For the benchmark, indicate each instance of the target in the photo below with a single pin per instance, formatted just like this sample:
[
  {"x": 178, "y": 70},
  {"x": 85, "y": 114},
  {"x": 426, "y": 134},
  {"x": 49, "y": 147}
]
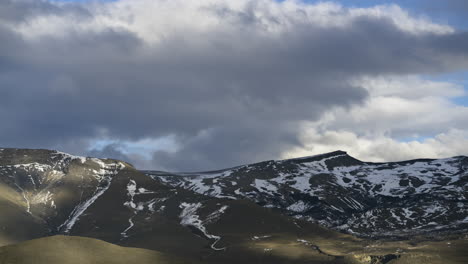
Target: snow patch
[
  {"x": 298, "y": 207},
  {"x": 131, "y": 224},
  {"x": 264, "y": 186},
  {"x": 109, "y": 170},
  {"x": 189, "y": 217},
  {"x": 254, "y": 238}
]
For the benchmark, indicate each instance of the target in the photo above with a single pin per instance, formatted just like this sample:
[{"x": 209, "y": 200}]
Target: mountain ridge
[
  {"x": 339, "y": 173},
  {"x": 331, "y": 153},
  {"x": 267, "y": 208}
]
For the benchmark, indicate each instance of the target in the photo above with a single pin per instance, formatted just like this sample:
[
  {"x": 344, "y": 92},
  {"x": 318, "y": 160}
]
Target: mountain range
[{"x": 329, "y": 208}]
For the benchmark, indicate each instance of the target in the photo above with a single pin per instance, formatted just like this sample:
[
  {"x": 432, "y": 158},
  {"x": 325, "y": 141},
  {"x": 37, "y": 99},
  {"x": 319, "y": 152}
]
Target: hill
[
  {"x": 396, "y": 199},
  {"x": 79, "y": 250},
  {"x": 329, "y": 208}
]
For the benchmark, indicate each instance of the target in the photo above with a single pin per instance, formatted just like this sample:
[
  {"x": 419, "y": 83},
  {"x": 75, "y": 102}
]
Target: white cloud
[
  {"x": 405, "y": 117},
  {"x": 381, "y": 148},
  {"x": 400, "y": 117},
  {"x": 156, "y": 20},
  {"x": 403, "y": 19},
  {"x": 408, "y": 87},
  {"x": 404, "y": 106}
]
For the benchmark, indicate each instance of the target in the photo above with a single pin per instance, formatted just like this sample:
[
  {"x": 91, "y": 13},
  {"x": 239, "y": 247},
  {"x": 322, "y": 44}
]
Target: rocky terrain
[
  {"x": 329, "y": 208},
  {"x": 337, "y": 191}
]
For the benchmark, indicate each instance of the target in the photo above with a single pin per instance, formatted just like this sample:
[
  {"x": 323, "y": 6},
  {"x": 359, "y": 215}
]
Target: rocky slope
[
  {"x": 337, "y": 191},
  {"x": 51, "y": 189},
  {"x": 272, "y": 212}
]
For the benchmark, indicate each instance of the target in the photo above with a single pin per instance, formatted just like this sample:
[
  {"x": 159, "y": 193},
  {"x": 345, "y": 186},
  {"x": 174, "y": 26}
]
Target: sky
[{"x": 191, "y": 85}]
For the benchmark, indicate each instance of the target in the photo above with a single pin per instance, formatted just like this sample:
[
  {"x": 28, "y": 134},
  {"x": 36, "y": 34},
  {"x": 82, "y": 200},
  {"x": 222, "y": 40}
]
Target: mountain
[
  {"x": 396, "y": 199},
  {"x": 329, "y": 208}
]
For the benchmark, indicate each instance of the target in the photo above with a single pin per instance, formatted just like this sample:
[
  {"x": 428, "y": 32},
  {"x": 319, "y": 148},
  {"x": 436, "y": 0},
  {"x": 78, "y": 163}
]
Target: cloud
[
  {"x": 231, "y": 81},
  {"x": 402, "y": 106},
  {"x": 382, "y": 148},
  {"x": 405, "y": 117},
  {"x": 451, "y": 7}
]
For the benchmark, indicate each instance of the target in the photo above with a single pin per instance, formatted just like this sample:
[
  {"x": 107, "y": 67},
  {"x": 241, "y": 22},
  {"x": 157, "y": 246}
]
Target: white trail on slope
[{"x": 111, "y": 170}]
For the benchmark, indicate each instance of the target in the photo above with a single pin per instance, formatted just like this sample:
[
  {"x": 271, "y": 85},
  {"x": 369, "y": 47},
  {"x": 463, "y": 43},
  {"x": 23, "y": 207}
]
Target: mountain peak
[
  {"x": 337, "y": 153},
  {"x": 341, "y": 192}
]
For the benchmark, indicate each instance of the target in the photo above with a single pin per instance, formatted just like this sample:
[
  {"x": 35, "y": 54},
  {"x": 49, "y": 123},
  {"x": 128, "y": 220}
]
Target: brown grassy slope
[
  {"x": 16, "y": 224},
  {"x": 79, "y": 250}
]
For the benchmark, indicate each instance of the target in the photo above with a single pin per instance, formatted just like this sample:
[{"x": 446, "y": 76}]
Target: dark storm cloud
[
  {"x": 238, "y": 142},
  {"x": 21, "y": 10},
  {"x": 229, "y": 97}
]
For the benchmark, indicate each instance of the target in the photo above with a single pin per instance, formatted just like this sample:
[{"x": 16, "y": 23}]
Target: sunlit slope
[
  {"x": 16, "y": 223},
  {"x": 44, "y": 192},
  {"x": 79, "y": 250}
]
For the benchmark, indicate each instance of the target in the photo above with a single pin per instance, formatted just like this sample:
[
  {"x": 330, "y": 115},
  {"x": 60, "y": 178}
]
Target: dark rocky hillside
[
  {"x": 319, "y": 209},
  {"x": 335, "y": 190}
]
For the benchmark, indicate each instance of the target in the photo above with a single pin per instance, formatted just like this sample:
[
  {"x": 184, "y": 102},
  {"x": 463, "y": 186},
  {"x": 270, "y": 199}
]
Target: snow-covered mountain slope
[
  {"x": 55, "y": 188},
  {"x": 343, "y": 193},
  {"x": 48, "y": 192},
  {"x": 259, "y": 213}
]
